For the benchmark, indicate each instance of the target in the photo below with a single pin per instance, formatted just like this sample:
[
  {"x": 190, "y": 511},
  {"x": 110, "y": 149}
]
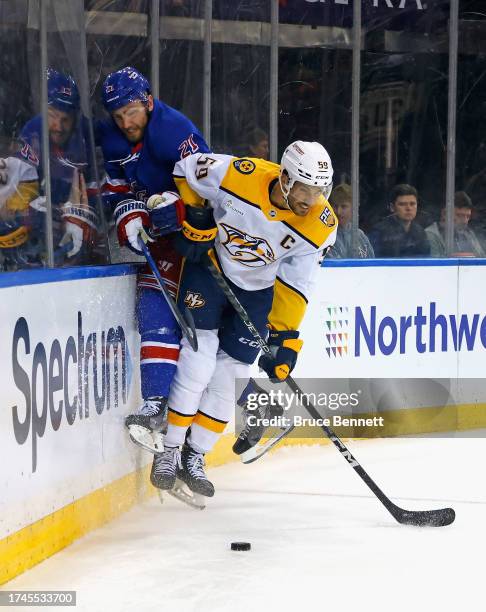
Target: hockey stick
[
  {"x": 420, "y": 518},
  {"x": 186, "y": 322},
  {"x": 257, "y": 451}
]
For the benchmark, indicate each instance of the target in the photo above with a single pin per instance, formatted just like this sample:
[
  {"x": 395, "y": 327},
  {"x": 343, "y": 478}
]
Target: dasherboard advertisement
[
  {"x": 397, "y": 322},
  {"x": 69, "y": 375}
]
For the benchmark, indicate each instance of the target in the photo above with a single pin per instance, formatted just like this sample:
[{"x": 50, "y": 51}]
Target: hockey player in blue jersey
[
  {"x": 73, "y": 191},
  {"x": 141, "y": 142}
]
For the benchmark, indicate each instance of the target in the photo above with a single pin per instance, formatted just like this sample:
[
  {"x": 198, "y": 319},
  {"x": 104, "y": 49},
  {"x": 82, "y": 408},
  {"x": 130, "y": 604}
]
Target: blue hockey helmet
[
  {"x": 124, "y": 86},
  {"x": 62, "y": 91}
]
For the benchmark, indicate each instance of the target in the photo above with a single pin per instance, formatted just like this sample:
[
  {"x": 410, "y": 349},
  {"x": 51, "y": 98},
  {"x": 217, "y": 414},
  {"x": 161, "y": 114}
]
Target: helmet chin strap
[{"x": 285, "y": 191}]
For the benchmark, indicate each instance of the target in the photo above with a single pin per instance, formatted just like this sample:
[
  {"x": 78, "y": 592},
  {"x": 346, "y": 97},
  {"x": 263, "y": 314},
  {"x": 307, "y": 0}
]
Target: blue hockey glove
[
  {"x": 198, "y": 233},
  {"x": 167, "y": 212},
  {"x": 285, "y": 347}
]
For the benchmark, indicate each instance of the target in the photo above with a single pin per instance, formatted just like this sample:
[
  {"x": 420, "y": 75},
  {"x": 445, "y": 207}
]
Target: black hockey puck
[{"x": 240, "y": 546}]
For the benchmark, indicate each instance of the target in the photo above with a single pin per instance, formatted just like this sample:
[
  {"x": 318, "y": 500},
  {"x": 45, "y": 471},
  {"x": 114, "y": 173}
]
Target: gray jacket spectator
[
  {"x": 399, "y": 235},
  {"x": 341, "y": 200},
  {"x": 466, "y": 243}
]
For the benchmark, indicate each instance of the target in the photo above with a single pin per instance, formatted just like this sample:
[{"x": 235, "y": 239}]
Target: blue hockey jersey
[
  {"x": 138, "y": 171},
  {"x": 63, "y": 161}
]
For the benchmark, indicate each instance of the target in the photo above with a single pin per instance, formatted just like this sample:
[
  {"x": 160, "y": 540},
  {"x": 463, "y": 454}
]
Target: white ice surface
[{"x": 320, "y": 540}]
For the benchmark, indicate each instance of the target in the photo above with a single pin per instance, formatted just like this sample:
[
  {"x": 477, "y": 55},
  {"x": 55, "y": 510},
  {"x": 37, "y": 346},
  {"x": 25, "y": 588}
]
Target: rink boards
[{"x": 69, "y": 374}]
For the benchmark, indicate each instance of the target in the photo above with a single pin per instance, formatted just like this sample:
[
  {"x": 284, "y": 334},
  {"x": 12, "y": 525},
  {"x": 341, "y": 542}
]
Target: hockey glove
[
  {"x": 167, "y": 212},
  {"x": 285, "y": 347},
  {"x": 79, "y": 227},
  {"x": 198, "y": 233},
  {"x": 132, "y": 219}
]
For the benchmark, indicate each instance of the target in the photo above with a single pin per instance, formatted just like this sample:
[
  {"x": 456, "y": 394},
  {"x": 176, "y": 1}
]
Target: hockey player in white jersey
[{"x": 273, "y": 227}]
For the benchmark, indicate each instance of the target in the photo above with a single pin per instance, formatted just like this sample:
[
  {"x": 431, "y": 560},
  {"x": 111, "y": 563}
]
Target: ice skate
[
  {"x": 255, "y": 416},
  {"x": 148, "y": 426},
  {"x": 192, "y": 472},
  {"x": 164, "y": 468}
]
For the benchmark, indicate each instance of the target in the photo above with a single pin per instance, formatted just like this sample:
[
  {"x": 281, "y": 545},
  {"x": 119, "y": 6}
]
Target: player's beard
[
  {"x": 301, "y": 209},
  {"x": 60, "y": 137},
  {"x": 135, "y": 134}
]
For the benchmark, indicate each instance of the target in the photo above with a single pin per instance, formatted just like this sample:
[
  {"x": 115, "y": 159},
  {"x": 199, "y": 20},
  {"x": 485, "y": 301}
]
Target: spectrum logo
[
  {"x": 425, "y": 330},
  {"x": 58, "y": 381}
]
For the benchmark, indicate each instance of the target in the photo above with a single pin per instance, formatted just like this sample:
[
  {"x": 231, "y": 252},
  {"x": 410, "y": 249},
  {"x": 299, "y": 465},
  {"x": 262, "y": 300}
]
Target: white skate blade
[
  {"x": 185, "y": 495},
  {"x": 150, "y": 441}
]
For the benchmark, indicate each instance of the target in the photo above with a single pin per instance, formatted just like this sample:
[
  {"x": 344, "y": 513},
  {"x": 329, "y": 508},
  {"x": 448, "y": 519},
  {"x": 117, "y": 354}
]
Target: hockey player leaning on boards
[
  {"x": 271, "y": 226},
  {"x": 141, "y": 142}
]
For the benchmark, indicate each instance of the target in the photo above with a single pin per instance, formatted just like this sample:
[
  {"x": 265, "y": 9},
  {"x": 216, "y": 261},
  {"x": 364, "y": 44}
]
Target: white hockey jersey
[
  {"x": 258, "y": 244},
  {"x": 18, "y": 184}
]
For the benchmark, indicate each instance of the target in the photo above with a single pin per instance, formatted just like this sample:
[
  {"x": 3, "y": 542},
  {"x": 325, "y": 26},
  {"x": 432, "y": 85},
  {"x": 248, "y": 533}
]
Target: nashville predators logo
[
  {"x": 249, "y": 250},
  {"x": 194, "y": 299},
  {"x": 245, "y": 166}
]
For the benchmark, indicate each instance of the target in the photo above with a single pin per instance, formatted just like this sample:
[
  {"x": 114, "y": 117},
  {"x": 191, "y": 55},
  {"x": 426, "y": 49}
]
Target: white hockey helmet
[{"x": 306, "y": 163}]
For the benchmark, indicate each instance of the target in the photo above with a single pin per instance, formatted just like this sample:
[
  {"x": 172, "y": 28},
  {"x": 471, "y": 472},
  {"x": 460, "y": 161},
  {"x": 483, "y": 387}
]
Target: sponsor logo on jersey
[
  {"x": 229, "y": 204},
  {"x": 328, "y": 218},
  {"x": 194, "y": 299},
  {"x": 245, "y": 166},
  {"x": 251, "y": 251}
]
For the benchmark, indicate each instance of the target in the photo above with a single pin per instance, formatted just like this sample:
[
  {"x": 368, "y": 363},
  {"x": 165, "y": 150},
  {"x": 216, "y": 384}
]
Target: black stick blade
[{"x": 425, "y": 518}]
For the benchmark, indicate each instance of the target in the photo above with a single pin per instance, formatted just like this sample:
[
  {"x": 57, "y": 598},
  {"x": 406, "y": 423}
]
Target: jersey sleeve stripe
[
  {"x": 280, "y": 280},
  {"x": 288, "y": 307},
  {"x": 107, "y": 187}
]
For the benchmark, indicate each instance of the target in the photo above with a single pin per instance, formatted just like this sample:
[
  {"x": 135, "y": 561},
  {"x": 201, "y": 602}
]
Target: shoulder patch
[
  {"x": 245, "y": 166},
  {"x": 327, "y": 217}
]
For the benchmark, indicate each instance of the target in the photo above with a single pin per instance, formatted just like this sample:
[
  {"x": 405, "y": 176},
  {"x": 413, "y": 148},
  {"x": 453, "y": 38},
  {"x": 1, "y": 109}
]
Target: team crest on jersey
[
  {"x": 245, "y": 166},
  {"x": 251, "y": 251},
  {"x": 328, "y": 218},
  {"x": 194, "y": 299}
]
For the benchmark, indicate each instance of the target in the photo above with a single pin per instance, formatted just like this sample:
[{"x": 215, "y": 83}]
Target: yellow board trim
[{"x": 34, "y": 543}]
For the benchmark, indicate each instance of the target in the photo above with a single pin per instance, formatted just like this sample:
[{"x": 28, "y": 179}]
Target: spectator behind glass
[
  {"x": 341, "y": 199},
  {"x": 73, "y": 192},
  {"x": 399, "y": 235},
  {"x": 257, "y": 143},
  {"x": 466, "y": 243}
]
